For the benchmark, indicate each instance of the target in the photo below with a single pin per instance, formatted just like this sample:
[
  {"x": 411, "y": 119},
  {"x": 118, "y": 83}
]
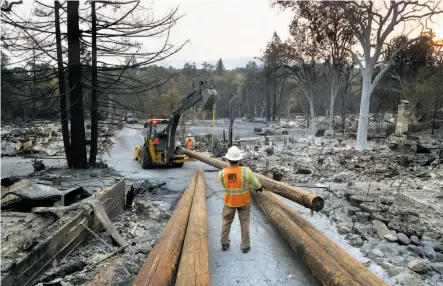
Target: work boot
[
  {"x": 246, "y": 250},
  {"x": 225, "y": 246}
]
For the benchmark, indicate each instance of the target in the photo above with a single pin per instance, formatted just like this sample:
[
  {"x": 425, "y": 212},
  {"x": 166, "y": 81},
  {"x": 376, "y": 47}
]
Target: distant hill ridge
[{"x": 229, "y": 63}]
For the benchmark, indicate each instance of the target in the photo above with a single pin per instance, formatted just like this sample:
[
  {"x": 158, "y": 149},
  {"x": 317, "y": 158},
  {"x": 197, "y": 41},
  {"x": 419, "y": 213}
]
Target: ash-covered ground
[
  {"x": 387, "y": 203},
  {"x": 383, "y": 206}
]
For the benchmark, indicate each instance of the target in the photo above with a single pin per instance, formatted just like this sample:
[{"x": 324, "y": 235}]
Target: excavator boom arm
[{"x": 203, "y": 91}]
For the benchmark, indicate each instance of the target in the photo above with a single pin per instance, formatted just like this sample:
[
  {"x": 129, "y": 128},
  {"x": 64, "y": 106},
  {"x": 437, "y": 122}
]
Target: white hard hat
[
  {"x": 189, "y": 134},
  {"x": 234, "y": 154}
]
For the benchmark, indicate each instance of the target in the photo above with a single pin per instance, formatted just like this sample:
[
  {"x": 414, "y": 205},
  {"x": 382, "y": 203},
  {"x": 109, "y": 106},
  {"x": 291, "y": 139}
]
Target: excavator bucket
[{"x": 209, "y": 97}]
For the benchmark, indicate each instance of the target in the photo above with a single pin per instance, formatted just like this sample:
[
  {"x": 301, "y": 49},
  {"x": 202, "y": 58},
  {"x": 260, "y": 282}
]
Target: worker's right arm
[{"x": 252, "y": 181}]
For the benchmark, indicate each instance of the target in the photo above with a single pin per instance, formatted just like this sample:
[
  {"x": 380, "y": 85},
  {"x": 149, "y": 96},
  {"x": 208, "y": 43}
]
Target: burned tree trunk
[
  {"x": 62, "y": 87},
  {"x": 434, "y": 113},
  {"x": 282, "y": 88},
  {"x": 231, "y": 123},
  {"x": 274, "y": 107},
  {"x": 232, "y": 115},
  {"x": 94, "y": 105},
  {"x": 268, "y": 95},
  {"x": 78, "y": 144}
]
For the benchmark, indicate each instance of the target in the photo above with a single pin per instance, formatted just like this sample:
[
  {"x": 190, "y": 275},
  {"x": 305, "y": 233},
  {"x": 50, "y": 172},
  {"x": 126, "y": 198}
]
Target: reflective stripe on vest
[{"x": 234, "y": 182}]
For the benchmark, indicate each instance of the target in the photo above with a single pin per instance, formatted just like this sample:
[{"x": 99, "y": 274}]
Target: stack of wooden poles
[
  {"x": 185, "y": 236},
  {"x": 328, "y": 262}
]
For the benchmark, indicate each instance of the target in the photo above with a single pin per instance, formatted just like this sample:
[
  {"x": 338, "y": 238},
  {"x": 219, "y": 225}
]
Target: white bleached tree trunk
[
  {"x": 310, "y": 98},
  {"x": 373, "y": 22},
  {"x": 313, "y": 119},
  {"x": 334, "y": 91},
  {"x": 363, "y": 119}
]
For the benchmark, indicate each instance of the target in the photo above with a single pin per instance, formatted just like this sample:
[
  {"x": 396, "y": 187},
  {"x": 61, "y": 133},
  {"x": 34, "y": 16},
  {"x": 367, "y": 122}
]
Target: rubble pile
[
  {"x": 140, "y": 225},
  {"x": 204, "y": 144},
  {"x": 379, "y": 124},
  {"x": 44, "y": 139},
  {"x": 38, "y": 207},
  {"x": 36, "y": 138},
  {"x": 387, "y": 203},
  {"x": 148, "y": 207}
]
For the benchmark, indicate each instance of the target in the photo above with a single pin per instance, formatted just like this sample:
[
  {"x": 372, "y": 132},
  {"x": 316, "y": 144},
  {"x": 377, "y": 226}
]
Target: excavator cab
[
  {"x": 157, "y": 131},
  {"x": 153, "y": 153},
  {"x": 159, "y": 146}
]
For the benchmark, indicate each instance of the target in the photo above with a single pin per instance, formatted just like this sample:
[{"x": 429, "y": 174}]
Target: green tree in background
[{"x": 219, "y": 67}]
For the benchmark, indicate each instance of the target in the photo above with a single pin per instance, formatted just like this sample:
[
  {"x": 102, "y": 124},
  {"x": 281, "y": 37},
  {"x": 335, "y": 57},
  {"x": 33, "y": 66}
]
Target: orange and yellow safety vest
[
  {"x": 237, "y": 181},
  {"x": 189, "y": 142}
]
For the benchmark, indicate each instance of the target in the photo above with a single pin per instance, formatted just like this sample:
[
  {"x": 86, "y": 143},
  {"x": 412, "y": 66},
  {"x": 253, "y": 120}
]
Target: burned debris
[
  {"x": 42, "y": 139},
  {"x": 386, "y": 201},
  {"x": 43, "y": 224},
  {"x": 71, "y": 225}
]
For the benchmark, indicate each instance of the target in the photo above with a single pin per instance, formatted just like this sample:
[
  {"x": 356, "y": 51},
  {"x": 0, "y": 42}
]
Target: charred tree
[
  {"x": 62, "y": 87},
  {"x": 94, "y": 100},
  {"x": 231, "y": 119},
  {"x": 78, "y": 142},
  {"x": 274, "y": 107},
  {"x": 268, "y": 95}
]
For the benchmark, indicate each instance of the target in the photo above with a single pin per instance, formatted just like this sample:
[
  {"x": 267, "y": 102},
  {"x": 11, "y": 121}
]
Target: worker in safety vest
[
  {"x": 190, "y": 142},
  {"x": 237, "y": 181}
]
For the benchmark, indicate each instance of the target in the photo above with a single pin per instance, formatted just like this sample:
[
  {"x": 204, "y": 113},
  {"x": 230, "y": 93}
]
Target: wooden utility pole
[
  {"x": 323, "y": 267},
  {"x": 302, "y": 197},
  {"x": 357, "y": 270},
  {"x": 160, "y": 266},
  {"x": 194, "y": 262}
]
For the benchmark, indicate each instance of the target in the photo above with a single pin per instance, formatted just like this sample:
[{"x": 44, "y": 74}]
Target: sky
[
  {"x": 225, "y": 28},
  {"x": 229, "y": 29},
  {"x": 234, "y": 30}
]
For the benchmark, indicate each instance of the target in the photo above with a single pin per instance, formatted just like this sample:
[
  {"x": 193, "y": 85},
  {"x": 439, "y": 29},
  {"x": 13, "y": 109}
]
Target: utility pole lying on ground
[
  {"x": 194, "y": 262},
  {"x": 270, "y": 203},
  {"x": 189, "y": 218},
  {"x": 329, "y": 263},
  {"x": 302, "y": 197}
]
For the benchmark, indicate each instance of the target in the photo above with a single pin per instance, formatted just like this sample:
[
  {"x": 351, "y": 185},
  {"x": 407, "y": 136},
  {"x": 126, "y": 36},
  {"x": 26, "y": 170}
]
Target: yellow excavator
[{"x": 160, "y": 149}]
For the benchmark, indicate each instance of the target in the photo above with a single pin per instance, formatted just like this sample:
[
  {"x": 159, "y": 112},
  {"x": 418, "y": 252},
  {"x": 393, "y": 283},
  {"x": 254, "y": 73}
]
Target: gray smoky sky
[{"x": 227, "y": 29}]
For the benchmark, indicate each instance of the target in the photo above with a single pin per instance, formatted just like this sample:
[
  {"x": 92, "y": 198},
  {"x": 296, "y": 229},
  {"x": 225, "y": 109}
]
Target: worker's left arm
[{"x": 252, "y": 181}]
